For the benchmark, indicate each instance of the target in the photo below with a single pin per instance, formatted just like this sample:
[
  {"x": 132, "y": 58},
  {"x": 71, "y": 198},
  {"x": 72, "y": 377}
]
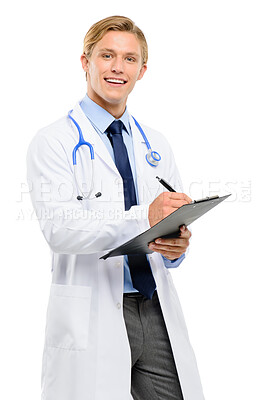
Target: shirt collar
[{"x": 100, "y": 117}]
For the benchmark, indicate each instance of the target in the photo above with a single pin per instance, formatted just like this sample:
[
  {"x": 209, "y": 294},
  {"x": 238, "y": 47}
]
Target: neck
[{"x": 116, "y": 110}]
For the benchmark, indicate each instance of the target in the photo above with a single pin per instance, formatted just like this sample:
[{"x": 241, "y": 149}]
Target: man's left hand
[{"x": 172, "y": 248}]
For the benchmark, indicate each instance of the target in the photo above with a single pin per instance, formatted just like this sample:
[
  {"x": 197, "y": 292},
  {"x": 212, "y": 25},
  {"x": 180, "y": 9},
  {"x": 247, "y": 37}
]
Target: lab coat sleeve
[{"x": 67, "y": 227}]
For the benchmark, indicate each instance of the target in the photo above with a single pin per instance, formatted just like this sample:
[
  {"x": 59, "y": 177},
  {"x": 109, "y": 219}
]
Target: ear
[
  {"x": 84, "y": 62},
  {"x": 142, "y": 71}
]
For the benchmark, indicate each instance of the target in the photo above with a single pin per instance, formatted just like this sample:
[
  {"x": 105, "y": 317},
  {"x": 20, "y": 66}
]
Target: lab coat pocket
[{"x": 68, "y": 317}]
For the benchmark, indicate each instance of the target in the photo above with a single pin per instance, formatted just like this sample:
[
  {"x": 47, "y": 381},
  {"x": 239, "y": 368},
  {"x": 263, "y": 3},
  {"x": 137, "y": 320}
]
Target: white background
[{"x": 205, "y": 88}]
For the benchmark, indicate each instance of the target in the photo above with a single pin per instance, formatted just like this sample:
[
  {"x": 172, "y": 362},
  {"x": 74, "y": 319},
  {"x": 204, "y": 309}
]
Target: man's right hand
[{"x": 165, "y": 204}]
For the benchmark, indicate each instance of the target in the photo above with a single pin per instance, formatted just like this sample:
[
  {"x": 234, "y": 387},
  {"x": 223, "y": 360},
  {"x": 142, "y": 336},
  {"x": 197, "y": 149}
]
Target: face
[{"x": 113, "y": 69}]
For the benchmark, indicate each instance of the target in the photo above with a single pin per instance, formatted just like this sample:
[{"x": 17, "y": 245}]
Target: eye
[
  {"x": 106, "y": 56},
  {"x": 130, "y": 59}
]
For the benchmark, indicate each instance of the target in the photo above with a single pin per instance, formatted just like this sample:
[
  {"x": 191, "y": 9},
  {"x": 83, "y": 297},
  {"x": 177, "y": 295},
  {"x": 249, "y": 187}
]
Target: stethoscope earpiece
[{"x": 98, "y": 194}]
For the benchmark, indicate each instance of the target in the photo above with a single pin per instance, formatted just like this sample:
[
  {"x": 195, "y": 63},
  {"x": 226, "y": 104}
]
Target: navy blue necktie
[{"x": 140, "y": 270}]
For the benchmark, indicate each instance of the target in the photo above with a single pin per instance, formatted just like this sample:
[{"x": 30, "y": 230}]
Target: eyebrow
[{"x": 130, "y": 53}]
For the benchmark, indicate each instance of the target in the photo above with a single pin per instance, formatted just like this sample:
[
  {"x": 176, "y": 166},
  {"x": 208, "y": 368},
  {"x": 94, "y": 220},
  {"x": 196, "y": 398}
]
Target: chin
[{"x": 115, "y": 100}]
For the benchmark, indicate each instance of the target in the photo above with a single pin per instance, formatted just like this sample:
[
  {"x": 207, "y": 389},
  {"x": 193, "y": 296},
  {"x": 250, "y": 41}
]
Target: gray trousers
[{"x": 154, "y": 375}]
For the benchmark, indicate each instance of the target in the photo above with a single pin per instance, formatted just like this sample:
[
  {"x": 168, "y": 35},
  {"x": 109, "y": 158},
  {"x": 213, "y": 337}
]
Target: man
[{"x": 115, "y": 329}]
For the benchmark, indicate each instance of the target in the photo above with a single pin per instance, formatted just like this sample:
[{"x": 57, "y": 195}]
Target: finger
[
  {"x": 180, "y": 247},
  {"x": 177, "y": 203},
  {"x": 184, "y": 236},
  {"x": 174, "y": 199},
  {"x": 180, "y": 196},
  {"x": 172, "y": 242},
  {"x": 171, "y": 255},
  {"x": 184, "y": 232}
]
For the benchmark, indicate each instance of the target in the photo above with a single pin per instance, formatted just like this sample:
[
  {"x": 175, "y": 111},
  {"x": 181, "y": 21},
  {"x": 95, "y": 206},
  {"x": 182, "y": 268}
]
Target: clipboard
[{"x": 168, "y": 227}]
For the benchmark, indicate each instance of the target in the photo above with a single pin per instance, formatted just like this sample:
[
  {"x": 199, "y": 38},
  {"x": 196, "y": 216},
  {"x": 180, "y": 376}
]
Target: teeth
[{"x": 114, "y": 80}]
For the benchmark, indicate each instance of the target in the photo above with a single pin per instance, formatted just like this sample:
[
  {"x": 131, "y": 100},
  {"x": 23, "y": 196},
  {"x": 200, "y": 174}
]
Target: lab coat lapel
[{"x": 91, "y": 136}]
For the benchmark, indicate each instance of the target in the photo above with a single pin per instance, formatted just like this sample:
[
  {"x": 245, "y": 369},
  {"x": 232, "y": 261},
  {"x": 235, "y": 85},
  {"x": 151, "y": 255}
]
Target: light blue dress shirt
[{"x": 100, "y": 120}]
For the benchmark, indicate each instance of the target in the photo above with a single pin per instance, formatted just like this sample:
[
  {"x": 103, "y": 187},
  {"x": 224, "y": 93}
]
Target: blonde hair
[{"x": 115, "y": 23}]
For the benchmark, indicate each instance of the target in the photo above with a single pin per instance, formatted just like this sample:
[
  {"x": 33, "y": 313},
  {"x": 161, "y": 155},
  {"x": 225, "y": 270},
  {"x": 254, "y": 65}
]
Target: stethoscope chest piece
[{"x": 153, "y": 158}]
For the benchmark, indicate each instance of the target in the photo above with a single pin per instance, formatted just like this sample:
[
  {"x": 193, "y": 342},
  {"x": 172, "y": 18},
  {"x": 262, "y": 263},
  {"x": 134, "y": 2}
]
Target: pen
[{"x": 165, "y": 184}]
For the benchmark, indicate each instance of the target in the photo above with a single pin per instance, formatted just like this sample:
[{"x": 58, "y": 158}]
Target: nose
[{"x": 117, "y": 65}]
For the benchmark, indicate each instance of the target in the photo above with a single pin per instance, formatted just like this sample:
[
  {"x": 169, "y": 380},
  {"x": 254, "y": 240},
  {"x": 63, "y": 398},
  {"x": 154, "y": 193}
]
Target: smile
[{"x": 115, "y": 81}]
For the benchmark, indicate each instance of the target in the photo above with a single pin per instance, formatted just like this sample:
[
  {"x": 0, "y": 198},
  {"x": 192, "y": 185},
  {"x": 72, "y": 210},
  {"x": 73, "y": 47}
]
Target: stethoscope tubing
[
  {"x": 152, "y": 157},
  {"x": 81, "y": 141}
]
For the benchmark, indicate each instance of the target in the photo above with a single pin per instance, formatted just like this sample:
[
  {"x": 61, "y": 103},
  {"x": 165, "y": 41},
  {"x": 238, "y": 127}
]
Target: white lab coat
[{"x": 86, "y": 353}]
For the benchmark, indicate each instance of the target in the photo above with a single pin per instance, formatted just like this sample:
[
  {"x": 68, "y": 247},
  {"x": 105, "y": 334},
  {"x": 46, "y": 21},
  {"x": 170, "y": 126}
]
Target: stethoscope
[{"x": 152, "y": 157}]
